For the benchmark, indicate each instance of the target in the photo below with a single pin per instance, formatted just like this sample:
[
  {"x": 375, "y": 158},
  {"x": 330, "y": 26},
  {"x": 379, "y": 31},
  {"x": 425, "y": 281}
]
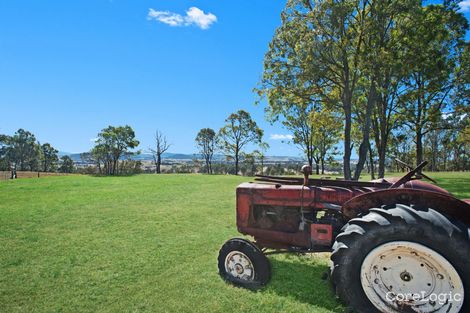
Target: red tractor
[{"x": 398, "y": 245}]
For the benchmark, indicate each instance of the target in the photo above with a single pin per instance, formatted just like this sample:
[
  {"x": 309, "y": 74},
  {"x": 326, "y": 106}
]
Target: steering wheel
[{"x": 417, "y": 172}]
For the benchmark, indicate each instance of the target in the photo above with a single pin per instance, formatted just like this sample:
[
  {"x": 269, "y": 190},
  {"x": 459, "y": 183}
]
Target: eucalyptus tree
[
  {"x": 113, "y": 143},
  {"x": 260, "y": 154},
  {"x": 297, "y": 119},
  {"x": 206, "y": 141},
  {"x": 239, "y": 131},
  {"x": 49, "y": 157},
  {"x": 314, "y": 58},
  {"x": 326, "y": 127},
  {"x": 66, "y": 164},
  {"x": 382, "y": 75},
  {"x": 4, "y": 147},
  {"x": 432, "y": 47},
  {"x": 23, "y": 151}
]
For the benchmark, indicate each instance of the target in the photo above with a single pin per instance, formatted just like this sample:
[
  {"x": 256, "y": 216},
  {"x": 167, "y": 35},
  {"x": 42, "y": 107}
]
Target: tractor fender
[{"x": 443, "y": 203}]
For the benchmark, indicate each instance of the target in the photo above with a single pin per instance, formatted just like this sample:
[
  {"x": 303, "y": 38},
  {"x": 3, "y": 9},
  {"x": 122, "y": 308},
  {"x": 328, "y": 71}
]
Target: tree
[
  {"x": 432, "y": 58},
  {"x": 101, "y": 157},
  {"x": 112, "y": 144},
  {"x": 23, "y": 151},
  {"x": 371, "y": 61},
  {"x": 4, "y": 147},
  {"x": 161, "y": 146},
  {"x": 249, "y": 164},
  {"x": 49, "y": 157},
  {"x": 260, "y": 155},
  {"x": 315, "y": 54},
  {"x": 326, "y": 128},
  {"x": 240, "y": 129},
  {"x": 462, "y": 150},
  {"x": 66, "y": 164},
  {"x": 206, "y": 141},
  {"x": 296, "y": 119},
  {"x": 385, "y": 24}
]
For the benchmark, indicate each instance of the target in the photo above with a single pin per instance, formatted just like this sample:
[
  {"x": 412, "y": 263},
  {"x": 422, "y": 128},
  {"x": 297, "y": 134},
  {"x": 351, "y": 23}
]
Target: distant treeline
[{"x": 22, "y": 152}]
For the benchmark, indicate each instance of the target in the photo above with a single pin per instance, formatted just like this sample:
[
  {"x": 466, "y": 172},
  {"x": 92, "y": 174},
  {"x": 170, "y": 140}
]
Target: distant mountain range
[{"x": 188, "y": 157}]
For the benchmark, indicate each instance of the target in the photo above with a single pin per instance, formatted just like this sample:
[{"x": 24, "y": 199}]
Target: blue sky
[{"x": 70, "y": 68}]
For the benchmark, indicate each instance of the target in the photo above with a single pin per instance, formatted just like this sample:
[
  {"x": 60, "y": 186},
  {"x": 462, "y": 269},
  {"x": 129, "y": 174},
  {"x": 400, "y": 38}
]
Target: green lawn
[
  {"x": 141, "y": 244},
  {"x": 458, "y": 183}
]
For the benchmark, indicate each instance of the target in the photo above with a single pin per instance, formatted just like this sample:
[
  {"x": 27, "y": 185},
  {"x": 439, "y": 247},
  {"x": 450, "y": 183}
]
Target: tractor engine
[{"x": 289, "y": 217}]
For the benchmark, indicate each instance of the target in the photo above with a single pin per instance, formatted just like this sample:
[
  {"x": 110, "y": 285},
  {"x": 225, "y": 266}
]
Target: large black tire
[
  {"x": 396, "y": 223},
  {"x": 259, "y": 270}
]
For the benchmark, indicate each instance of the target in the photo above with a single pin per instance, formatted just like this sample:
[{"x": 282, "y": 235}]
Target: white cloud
[
  {"x": 280, "y": 137},
  {"x": 194, "y": 16},
  {"x": 166, "y": 17},
  {"x": 198, "y": 17},
  {"x": 465, "y": 5}
]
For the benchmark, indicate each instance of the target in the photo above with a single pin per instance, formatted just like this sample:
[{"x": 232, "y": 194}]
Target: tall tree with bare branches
[{"x": 161, "y": 146}]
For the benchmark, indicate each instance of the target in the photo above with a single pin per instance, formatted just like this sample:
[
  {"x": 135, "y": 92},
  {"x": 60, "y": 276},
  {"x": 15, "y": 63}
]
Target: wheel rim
[
  {"x": 399, "y": 275},
  {"x": 238, "y": 265}
]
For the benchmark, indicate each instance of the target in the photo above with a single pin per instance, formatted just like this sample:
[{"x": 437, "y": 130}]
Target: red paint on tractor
[
  {"x": 321, "y": 234},
  {"x": 284, "y": 212}
]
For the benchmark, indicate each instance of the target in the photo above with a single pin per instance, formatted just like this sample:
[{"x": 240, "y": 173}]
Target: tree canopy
[
  {"x": 239, "y": 130},
  {"x": 380, "y": 65},
  {"x": 113, "y": 143}
]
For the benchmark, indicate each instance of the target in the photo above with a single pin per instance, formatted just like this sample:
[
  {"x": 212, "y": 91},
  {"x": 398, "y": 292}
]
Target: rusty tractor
[{"x": 397, "y": 245}]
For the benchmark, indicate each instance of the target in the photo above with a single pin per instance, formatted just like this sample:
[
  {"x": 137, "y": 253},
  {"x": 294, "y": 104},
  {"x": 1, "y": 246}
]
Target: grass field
[{"x": 142, "y": 244}]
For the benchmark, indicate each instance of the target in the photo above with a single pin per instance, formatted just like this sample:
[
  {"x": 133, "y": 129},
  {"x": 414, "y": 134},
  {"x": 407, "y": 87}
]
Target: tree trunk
[
  {"x": 381, "y": 173},
  {"x": 363, "y": 148},
  {"x": 208, "y": 170},
  {"x": 236, "y": 163},
  {"x": 347, "y": 143},
  {"x": 419, "y": 147},
  {"x": 115, "y": 167},
  {"x": 309, "y": 157},
  {"x": 371, "y": 162},
  {"x": 381, "y": 141},
  {"x": 159, "y": 162},
  {"x": 434, "y": 151}
]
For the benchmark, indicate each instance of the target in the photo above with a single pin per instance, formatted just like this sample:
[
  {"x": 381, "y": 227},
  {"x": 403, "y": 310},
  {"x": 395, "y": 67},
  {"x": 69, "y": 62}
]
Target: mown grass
[
  {"x": 458, "y": 183},
  {"x": 141, "y": 244}
]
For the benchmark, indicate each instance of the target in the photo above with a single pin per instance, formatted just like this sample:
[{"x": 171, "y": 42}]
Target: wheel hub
[
  {"x": 239, "y": 268},
  {"x": 400, "y": 275},
  {"x": 239, "y": 265},
  {"x": 405, "y": 276}
]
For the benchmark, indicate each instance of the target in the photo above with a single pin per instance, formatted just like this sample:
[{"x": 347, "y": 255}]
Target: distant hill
[{"x": 188, "y": 157}]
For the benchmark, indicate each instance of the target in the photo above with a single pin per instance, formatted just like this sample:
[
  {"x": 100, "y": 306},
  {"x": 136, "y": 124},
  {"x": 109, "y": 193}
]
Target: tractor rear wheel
[
  {"x": 398, "y": 259},
  {"x": 243, "y": 264}
]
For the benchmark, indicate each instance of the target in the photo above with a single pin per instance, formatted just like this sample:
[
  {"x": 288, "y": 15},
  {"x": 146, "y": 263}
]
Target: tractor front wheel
[
  {"x": 398, "y": 259},
  {"x": 243, "y": 264}
]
